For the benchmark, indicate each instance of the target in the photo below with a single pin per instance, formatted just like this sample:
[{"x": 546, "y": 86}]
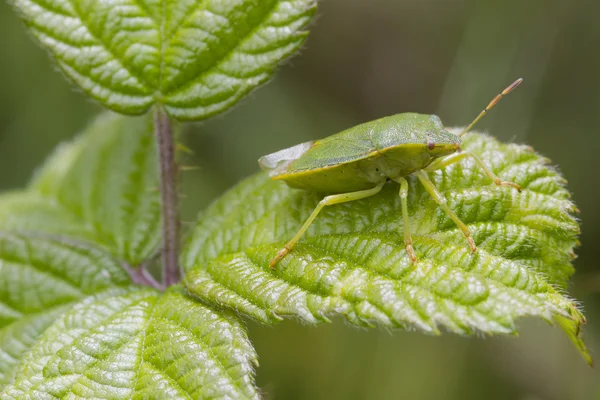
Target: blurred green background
[{"x": 367, "y": 59}]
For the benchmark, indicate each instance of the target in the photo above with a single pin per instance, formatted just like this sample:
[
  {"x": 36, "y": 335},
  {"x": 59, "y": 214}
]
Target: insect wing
[{"x": 278, "y": 163}]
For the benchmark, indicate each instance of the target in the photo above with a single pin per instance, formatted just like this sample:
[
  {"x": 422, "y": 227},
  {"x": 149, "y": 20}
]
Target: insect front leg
[
  {"x": 404, "y": 200},
  {"x": 327, "y": 201},
  {"x": 430, "y": 187},
  {"x": 456, "y": 157}
]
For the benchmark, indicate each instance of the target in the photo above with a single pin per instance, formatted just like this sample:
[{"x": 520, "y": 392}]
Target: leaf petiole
[{"x": 163, "y": 131}]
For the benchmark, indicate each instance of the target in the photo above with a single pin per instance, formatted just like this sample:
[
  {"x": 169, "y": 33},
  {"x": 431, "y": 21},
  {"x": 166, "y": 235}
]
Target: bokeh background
[{"x": 366, "y": 59}]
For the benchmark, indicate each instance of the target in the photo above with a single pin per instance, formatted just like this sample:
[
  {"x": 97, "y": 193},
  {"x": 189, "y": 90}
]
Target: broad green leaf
[
  {"x": 29, "y": 211},
  {"x": 196, "y": 58},
  {"x": 102, "y": 187},
  {"x": 42, "y": 277},
  {"x": 139, "y": 344},
  {"x": 352, "y": 261}
]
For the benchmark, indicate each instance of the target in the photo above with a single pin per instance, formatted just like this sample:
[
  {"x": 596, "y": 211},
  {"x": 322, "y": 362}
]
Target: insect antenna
[{"x": 492, "y": 104}]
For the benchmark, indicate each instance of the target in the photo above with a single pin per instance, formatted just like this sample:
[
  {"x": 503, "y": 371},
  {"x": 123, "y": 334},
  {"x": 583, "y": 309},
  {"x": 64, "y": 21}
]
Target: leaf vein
[
  {"x": 183, "y": 86},
  {"x": 105, "y": 46}
]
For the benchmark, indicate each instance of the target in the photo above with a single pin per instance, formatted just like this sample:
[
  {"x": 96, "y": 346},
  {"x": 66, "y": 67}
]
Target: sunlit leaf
[
  {"x": 139, "y": 344},
  {"x": 352, "y": 261},
  {"x": 196, "y": 58},
  {"x": 42, "y": 277}
]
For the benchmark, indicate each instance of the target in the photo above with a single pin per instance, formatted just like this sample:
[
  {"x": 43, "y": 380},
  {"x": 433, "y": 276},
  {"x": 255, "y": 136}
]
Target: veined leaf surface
[
  {"x": 138, "y": 344},
  {"x": 42, "y": 277},
  {"x": 195, "y": 58},
  {"x": 101, "y": 187},
  {"x": 352, "y": 261}
]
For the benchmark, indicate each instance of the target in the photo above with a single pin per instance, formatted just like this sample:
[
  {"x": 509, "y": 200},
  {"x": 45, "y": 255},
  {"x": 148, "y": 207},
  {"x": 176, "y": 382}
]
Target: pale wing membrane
[{"x": 277, "y": 163}]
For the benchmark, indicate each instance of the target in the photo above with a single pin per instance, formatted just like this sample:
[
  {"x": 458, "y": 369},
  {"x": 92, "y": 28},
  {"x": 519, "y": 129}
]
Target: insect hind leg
[
  {"x": 327, "y": 201},
  {"x": 441, "y": 201}
]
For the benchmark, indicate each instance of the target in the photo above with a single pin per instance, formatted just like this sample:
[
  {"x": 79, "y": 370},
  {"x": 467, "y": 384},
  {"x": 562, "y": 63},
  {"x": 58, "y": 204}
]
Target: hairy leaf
[
  {"x": 29, "y": 211},
  {"x": 352, "y": 261},
  {"x": 42, "y": 277},
  {"x": 139, "y": 344},
  {"x": 102, "y": 187},
  {"x": 196, "y": 58}
]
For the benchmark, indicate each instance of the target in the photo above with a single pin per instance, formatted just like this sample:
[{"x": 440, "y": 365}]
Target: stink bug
[{"x": 356, "y": 163}]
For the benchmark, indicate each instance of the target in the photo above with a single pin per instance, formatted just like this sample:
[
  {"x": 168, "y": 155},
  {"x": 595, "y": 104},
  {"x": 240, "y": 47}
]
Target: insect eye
[{"x": 430, "y": 144}]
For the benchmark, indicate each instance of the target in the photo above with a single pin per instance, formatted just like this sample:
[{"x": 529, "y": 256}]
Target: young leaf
[
  {"x": 29, "y": 211},
  {"x": 102, "y": 187},
  {"x": 352, "y": 261},
  {"x": 42, "y": 277},
  {"x": 137, "y": 344},
  {"x": 195, "y": 58}
]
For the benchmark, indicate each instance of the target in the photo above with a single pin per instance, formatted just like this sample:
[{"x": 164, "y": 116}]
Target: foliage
[
  {"x": 71, "y": 321},
  {"x": 76, "y": 243},
  {"x": 353, "y": 263},
  {"x": 195, "y": 58},
  {"x": 101, "y": 187}
]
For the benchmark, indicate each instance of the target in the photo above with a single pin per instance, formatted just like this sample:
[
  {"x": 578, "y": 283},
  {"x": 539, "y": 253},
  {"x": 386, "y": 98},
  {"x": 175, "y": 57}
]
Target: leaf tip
[{"x": 572, "y": 327}]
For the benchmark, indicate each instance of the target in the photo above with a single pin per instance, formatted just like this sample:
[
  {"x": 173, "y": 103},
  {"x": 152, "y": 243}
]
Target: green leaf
[
  {"x": 196, "y": 58},
  {"x": 102, "y": 187},
  {"x": 42, "y": 277},
  {"x": 352, "y": 261},
  {"x": 29, "y": 211},
  {"x": 139, "y": 344}
]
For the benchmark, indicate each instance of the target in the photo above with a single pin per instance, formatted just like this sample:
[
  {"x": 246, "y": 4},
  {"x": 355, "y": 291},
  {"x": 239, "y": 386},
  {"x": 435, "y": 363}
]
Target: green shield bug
[{"x": 356, "y": 163}]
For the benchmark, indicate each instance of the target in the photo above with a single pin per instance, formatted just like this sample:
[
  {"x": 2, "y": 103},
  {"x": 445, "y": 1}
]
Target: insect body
[{"x": 356, "y": 163}]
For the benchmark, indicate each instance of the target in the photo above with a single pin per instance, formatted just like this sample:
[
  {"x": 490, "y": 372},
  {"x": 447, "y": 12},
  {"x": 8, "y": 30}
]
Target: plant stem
[
  {"x": 141, "y": 276},
  {"x": 169, "y": 198}
]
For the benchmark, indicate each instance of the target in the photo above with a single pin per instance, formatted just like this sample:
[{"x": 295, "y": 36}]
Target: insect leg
[
  {"x": 456, "y": 157},
  {"x": 327, "y": 201},
  {"x": 430, "y": 187},
  {"x": 404, "y": 200}
]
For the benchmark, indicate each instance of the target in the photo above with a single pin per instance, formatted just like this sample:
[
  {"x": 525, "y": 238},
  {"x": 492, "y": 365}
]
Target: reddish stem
[{"x": 169, "y": 197}]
